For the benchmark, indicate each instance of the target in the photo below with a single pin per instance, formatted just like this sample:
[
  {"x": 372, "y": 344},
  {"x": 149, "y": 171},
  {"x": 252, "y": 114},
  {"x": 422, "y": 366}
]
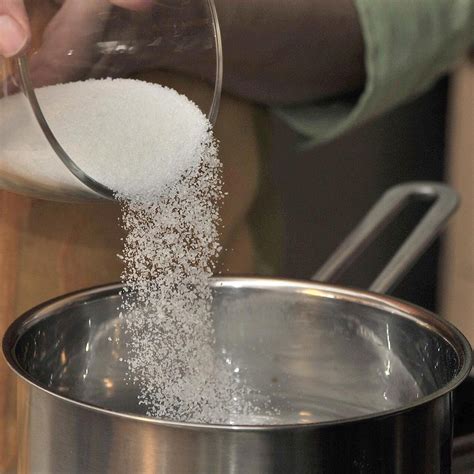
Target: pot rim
[{"x": 395, "y": 306}]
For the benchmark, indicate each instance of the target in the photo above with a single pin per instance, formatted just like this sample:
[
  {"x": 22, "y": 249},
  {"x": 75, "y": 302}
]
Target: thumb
[
  {"x": 67, "y": 51},
  {"x": 14, "y": 27}
]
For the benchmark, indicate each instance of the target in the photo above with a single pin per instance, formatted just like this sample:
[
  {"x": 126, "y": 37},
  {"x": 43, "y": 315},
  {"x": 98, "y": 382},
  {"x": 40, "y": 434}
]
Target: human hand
[
  {"x": 15, "y": 29},
  {"x": 67, "y": 30},
  {"x": 77, "y": 39}
]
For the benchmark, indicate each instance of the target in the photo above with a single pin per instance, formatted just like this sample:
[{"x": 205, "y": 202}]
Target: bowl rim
[{"x": 397, "y": 307}]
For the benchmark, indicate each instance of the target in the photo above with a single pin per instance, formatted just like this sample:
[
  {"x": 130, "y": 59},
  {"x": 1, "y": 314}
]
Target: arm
[
  {"x": 274, "y": 52},
  {"x": 409, "y": 45},
  {"x": 297, "y": 54},
  {"x": 285, "y": 52}
]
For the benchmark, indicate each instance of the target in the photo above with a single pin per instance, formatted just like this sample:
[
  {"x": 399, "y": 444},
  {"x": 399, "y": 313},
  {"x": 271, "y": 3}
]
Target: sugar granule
[
  {"x": 170, "y": 248},
  {"x": 127, "y": 134},
  {"x": 155, "y": 149},
  {"x": 171, "y": 242}
]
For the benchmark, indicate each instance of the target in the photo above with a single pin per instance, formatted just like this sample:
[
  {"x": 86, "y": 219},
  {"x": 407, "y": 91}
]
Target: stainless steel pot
[{"x": 363, "y": 381}]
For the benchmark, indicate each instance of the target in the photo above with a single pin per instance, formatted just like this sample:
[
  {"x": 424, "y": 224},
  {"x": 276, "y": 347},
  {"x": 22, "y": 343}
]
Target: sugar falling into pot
[{"x": 155, "y": 149}]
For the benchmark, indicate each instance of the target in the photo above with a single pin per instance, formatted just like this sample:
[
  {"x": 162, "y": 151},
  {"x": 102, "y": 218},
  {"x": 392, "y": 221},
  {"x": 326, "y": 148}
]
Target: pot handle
[{"x": 445, "y": 203}]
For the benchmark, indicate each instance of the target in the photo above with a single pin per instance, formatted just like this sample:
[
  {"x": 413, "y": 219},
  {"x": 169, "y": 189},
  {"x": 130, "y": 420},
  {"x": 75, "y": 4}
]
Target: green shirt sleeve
[{"x": 409, "y": 44}]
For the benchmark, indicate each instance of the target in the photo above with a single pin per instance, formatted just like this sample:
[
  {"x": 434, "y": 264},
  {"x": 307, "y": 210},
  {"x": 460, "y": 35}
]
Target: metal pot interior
[{"x": 320, "y": 353}]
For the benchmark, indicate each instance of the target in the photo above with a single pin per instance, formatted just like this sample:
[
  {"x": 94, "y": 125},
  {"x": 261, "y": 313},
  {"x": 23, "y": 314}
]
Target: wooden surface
[
  {"x": 457, "y": 296},
  {"x": 14, "y": 211},
  {"x": 47, "y": 249}
]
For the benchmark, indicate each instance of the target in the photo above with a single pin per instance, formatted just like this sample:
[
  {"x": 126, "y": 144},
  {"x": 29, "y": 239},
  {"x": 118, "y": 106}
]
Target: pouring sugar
[{"x": 155, "y": 149}]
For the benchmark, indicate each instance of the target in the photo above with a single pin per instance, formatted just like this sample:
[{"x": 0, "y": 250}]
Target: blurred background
[{"x": 326, "y": 190}]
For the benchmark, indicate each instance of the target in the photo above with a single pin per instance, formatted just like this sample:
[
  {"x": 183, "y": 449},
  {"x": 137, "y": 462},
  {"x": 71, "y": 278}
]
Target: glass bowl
[{"x": 175, "y": 43}]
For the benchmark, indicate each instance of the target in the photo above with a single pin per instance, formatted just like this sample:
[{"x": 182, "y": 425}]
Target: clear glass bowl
[{"x": 175, "y": 43}]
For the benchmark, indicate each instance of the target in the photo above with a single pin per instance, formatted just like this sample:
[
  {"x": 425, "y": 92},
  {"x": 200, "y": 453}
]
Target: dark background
[{"x": 324, "y": 192}]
